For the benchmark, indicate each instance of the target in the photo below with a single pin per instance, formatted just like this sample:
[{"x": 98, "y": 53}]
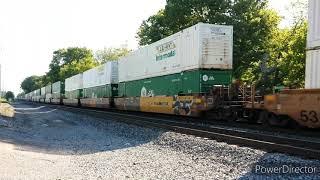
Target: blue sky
[{"x": 31, "y": 30}]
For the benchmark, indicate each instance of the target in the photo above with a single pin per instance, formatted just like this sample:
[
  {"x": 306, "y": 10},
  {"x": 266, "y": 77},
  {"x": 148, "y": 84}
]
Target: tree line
[
  {"x": 71, "y": 61},
  {"x": 264, "y": 54}
]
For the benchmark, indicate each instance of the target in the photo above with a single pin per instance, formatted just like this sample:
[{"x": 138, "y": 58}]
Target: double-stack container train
[{"x": 188, "y": 74}]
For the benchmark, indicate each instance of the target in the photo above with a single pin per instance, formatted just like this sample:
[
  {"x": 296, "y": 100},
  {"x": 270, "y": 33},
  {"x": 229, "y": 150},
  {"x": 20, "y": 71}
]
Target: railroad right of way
[
  {"x": 304, "y": 147},
  {"x": 47, "y": 142}
]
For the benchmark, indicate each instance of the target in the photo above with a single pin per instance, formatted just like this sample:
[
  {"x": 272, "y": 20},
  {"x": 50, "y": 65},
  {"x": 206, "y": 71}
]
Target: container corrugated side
[
  {"x": 101, "y": 75},
  {"x": 74, "y": 83},
  {"x": 314, "y": 24},
  {"x": 197, "y": 82},
  {"x": 75, "y": 94},
  {"x": 313, "y": 69},
  {"x": 199, "y": 46},
  {"x": 216, "y": 46},
  {"x": 49, "y": 89},
  {"x": 58, "y": 89},
  {"x": 37, "y": 92},
  {"x": 103, "y": 91},
  {"x": 43, "y": 92}
]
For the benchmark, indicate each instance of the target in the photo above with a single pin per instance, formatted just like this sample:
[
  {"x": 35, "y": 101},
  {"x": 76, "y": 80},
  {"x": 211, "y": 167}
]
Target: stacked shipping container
[
  {"x": 74, "y": 87},
  {"x": 58, "y": 90},
  {"x": 48, "y": 95},
  {"x": 100, "y": 85},
  {"x": 188, "y": 62},
  {"x": 313, "y": 46},
  {"x": 42, "y": 94},
  {"x": 101, "y": 81},
  {"x": 73, "y": 90}
]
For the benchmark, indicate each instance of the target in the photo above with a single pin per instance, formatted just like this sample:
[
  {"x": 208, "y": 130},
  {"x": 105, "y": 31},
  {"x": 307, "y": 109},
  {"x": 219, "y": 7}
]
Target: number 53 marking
[{"x": 306, "y": 116}]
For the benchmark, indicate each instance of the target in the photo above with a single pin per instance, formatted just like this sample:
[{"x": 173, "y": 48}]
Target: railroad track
[{"x": 243, "y": 137}]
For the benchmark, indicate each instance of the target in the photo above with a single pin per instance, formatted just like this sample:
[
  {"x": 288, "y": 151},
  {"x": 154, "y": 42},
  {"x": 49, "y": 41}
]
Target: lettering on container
[
  {"x": 166, "y": 55},
  {"x": 217, "y": 30},
  {"x": 165, "y": 51},
  {"x": 175, "y": 80},
  {"x": 166, "y": 47},
  {"x": 207, "y": 78}
]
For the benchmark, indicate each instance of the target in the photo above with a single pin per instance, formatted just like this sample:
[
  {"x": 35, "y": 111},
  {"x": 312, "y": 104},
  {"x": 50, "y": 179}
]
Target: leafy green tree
[
  {"x": 65, "y": 63},
  {"x": 31, "y": 83},
  {"x": 288, "y": 56},
  {"x": 9, "y": 95},
  {"x": 253, "y": 26},
  {"x": 111, "y": 54},
  {"x": 68, "y": 62},
  {"x": 54, "y": 66},
  {"x": 76, "y": 67},
  {"x": 20, "y": 95},
  {"x": 154, "y": 29}
]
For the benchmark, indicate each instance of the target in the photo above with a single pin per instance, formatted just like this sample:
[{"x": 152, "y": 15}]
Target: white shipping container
[
  {"x": 74, "y": 83},
  {"x": 314, "y": 24},
  {"x": 43, "y": 92},
  {"x": 200, "y": 46},
  {"x": 313, "y": 69},
  {"x": 101, "y": 75}
]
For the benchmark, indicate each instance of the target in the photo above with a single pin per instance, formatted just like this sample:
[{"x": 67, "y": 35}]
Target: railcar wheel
[
  {"x": 294, "y": 124},
  {"x": 220, "y": 114},
  {"x": 253, "y": 116},
  {"x": 263, "y": 116},
  {"x": 271, "y": 119},
  {"x": 216, "y": 115},
  {"x": 232, "y": 116}
]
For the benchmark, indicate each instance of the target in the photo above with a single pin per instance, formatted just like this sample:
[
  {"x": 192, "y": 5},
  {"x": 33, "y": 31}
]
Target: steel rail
[{"x": 270, "y": 143}]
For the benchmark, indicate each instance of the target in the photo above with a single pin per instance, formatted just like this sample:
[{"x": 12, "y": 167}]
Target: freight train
[{"x": 187, "y": 74}]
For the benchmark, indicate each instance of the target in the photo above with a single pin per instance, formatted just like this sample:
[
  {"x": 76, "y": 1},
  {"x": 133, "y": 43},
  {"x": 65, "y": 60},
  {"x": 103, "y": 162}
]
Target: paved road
[{"x": 45, "y": 143}]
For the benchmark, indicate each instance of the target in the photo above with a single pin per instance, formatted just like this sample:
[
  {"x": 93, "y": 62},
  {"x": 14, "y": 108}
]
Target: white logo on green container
[
  {"x": 205, "y": 77},
  {"x": 143, "y": 92}
]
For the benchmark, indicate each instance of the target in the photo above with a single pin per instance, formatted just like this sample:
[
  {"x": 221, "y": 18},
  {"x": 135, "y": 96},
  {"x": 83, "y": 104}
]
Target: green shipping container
[
  {"x": 188, "y": 82},
  {"x": 76, "y": 94},
  {"x": 101, "y": 91},
  {"x": 58, "y": 90}
]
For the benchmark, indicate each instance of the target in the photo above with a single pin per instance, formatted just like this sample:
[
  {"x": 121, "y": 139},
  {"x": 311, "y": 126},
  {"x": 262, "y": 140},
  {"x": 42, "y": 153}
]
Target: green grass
[{"x": 3, "y": 100}]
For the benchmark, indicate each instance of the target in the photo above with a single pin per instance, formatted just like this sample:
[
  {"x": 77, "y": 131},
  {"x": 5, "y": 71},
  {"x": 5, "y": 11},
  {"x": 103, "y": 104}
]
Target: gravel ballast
[{"x": 46, "y": 143}]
